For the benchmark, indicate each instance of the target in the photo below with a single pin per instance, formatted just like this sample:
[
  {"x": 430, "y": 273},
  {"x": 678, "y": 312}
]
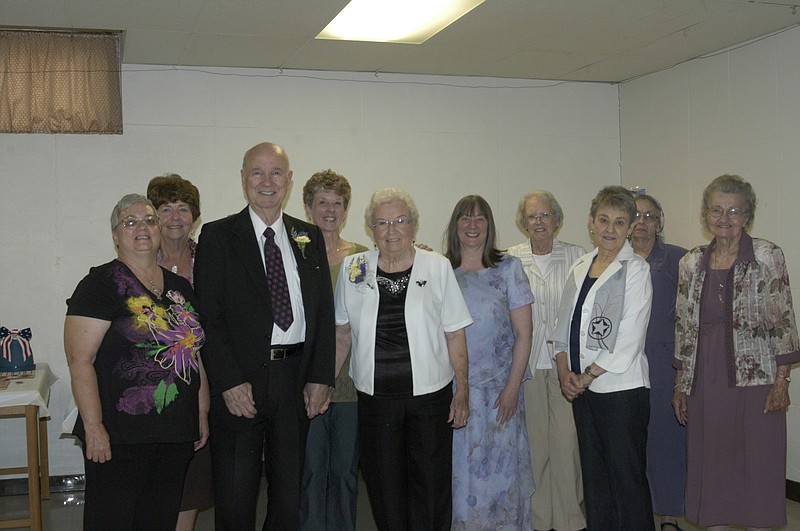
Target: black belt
[{"x": 281, "y": 352}]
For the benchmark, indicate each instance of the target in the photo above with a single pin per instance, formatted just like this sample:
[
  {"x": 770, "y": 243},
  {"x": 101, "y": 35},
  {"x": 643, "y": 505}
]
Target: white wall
[
  {"x": 732, "y": 112},
  {"x": 438, "y": 137}
]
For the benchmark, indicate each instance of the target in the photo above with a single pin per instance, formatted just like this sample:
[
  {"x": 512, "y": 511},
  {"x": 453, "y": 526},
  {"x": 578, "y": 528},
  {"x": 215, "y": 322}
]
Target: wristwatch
[
  {"x": 588, "y": 372},
  {"x": 787, "y": 378}
]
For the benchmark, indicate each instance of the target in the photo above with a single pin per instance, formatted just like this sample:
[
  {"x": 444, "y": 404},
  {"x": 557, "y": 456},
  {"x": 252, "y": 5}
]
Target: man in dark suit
[{"x": 270, "y": 344}]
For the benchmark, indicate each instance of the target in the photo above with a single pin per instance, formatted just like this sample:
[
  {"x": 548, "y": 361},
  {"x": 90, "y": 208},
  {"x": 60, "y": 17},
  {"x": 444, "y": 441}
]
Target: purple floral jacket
[{"x": 760, "y": 326}]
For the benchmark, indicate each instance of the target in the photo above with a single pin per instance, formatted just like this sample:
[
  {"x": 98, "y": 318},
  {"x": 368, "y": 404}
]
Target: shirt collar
[
  {"x": 259, "y": 226},
  {"x": 745, "y": 254}
]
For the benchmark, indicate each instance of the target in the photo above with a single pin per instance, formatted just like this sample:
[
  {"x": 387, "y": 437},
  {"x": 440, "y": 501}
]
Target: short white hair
[{"x": 389, "y": 195}]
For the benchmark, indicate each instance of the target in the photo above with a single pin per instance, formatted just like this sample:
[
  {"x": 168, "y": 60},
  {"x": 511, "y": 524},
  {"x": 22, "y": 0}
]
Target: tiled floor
[{"x": 64, "y": 512}]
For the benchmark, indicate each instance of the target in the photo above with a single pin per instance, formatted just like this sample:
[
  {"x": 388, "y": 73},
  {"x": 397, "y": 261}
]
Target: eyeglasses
[
  {"x": 384, "y": 224},
  {"x": 647, "y": 217},
  {"x": 129, "y": 223},
  {"x": 733, "y": 213},
  {"x": 541, "y": 216}
]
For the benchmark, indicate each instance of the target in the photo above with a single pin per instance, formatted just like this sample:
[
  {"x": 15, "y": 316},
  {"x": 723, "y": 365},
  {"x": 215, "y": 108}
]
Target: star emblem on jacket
[{"x": 600, "y": 327}]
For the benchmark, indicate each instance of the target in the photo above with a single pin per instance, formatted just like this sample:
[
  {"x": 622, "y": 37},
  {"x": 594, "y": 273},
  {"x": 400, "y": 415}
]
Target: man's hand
[{"x": 239, "y": 400}]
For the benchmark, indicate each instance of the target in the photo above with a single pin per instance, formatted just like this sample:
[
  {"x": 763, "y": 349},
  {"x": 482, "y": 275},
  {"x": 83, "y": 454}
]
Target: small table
[{"x": 27, "y": 395}]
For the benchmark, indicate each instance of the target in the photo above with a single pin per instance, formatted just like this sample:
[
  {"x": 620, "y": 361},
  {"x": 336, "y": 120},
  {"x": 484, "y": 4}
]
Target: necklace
[
  {"x": 719, "y": 278},
  {"x": 139, "y": 274},
  {"x": 176, "y": 261},
  {"x": 346, "y": 245},
  {"x": 720, "y": 286},
  {"x": 394, "y": 287}
]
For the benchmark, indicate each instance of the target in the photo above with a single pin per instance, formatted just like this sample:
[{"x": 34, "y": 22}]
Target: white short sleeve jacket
[{"x": 434, "y": 305}]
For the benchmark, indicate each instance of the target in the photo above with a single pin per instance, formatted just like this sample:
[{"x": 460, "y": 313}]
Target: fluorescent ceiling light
[{"x": 408, "y": 21}]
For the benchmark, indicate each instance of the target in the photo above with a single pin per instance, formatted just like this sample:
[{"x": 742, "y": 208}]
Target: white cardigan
[
  {"x": 627, "y": 365},
  {"x": 434, "y": 305}
]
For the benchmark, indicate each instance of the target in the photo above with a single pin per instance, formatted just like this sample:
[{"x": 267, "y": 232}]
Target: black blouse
[{"x": 393, "y": 376}]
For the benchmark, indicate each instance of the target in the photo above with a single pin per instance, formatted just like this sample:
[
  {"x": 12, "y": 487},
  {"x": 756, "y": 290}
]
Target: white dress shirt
[{"x": 296, "y": 333}]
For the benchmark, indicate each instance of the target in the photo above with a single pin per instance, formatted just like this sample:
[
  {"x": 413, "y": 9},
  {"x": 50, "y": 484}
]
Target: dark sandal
[{"x": 673, "y": 524}]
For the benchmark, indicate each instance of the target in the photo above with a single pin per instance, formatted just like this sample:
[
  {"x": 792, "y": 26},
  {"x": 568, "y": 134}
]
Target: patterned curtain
[{"x": 59, "y": 82}]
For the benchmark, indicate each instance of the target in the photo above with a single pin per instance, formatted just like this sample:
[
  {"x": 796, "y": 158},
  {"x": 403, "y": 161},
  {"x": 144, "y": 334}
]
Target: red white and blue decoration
[{"x": 16, "y": 354}]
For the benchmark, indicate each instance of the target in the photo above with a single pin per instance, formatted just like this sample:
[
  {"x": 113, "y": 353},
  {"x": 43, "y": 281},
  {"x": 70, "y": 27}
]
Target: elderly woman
[
  {"x": 551, "y": 428},
  {"x": 132, "y": 337},
  {"x": 599, "y": 340},
  {"x": 492, "y": 477},
  {"x": 330, "y": 478},
  {"x": 177, "y": 203},
  {"x": 735, "y": 341},
  {"x": 666, "y": 439},
  {"x": 402, "y": 312}
]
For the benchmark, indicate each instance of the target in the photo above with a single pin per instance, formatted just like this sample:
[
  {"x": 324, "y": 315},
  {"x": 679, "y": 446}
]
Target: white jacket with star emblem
[{"x": 626, "y": 365}]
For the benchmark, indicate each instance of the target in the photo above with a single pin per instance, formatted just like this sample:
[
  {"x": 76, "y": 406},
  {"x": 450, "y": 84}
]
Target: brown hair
[
  {"x": 170, "y": 188},
  {"x": 327, "y": 180},
  {"x": 466, "y": 206},
  {"x": 615, "y": 197}
]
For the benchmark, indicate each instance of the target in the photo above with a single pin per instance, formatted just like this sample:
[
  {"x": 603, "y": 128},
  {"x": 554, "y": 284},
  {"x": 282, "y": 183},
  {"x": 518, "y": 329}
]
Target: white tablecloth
[{"x": 29, "y": 391}]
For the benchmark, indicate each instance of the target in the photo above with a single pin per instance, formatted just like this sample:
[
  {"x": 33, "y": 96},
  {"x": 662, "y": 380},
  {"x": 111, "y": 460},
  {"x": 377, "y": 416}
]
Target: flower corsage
[
  {"x": 301, "y": 239},
  {"x": 360, "y": 274}
]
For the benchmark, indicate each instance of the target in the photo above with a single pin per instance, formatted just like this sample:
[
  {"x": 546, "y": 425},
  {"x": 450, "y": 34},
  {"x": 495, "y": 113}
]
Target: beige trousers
[{"x": 554, "y": 451}]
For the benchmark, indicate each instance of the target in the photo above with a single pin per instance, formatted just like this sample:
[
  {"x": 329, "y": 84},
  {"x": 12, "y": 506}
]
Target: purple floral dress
[{"x": 492, "y": 475}]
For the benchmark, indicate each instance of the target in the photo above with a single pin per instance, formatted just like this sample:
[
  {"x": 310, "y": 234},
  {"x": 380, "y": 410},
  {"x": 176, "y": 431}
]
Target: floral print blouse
[
  {"x": 147, "y": 363},
  {"x": 759, "y": 316}
]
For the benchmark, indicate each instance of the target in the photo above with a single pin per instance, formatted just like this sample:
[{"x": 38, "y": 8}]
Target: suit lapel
[
  {"x": 246, "y": 247},
  {"x": 306, "y": 260},
  {"x": 289, "y": 226}
]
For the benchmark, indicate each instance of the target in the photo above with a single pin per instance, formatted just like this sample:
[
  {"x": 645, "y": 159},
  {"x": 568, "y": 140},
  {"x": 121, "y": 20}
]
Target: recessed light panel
[{"x": 407, "y": 21}]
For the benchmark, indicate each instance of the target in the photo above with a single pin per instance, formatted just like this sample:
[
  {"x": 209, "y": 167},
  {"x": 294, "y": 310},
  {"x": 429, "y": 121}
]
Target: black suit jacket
[{"x": 234, "y": 300}]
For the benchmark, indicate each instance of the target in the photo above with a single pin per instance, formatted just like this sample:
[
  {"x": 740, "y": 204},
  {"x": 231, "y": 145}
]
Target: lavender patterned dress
[{"x": 492, "y": 475}]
